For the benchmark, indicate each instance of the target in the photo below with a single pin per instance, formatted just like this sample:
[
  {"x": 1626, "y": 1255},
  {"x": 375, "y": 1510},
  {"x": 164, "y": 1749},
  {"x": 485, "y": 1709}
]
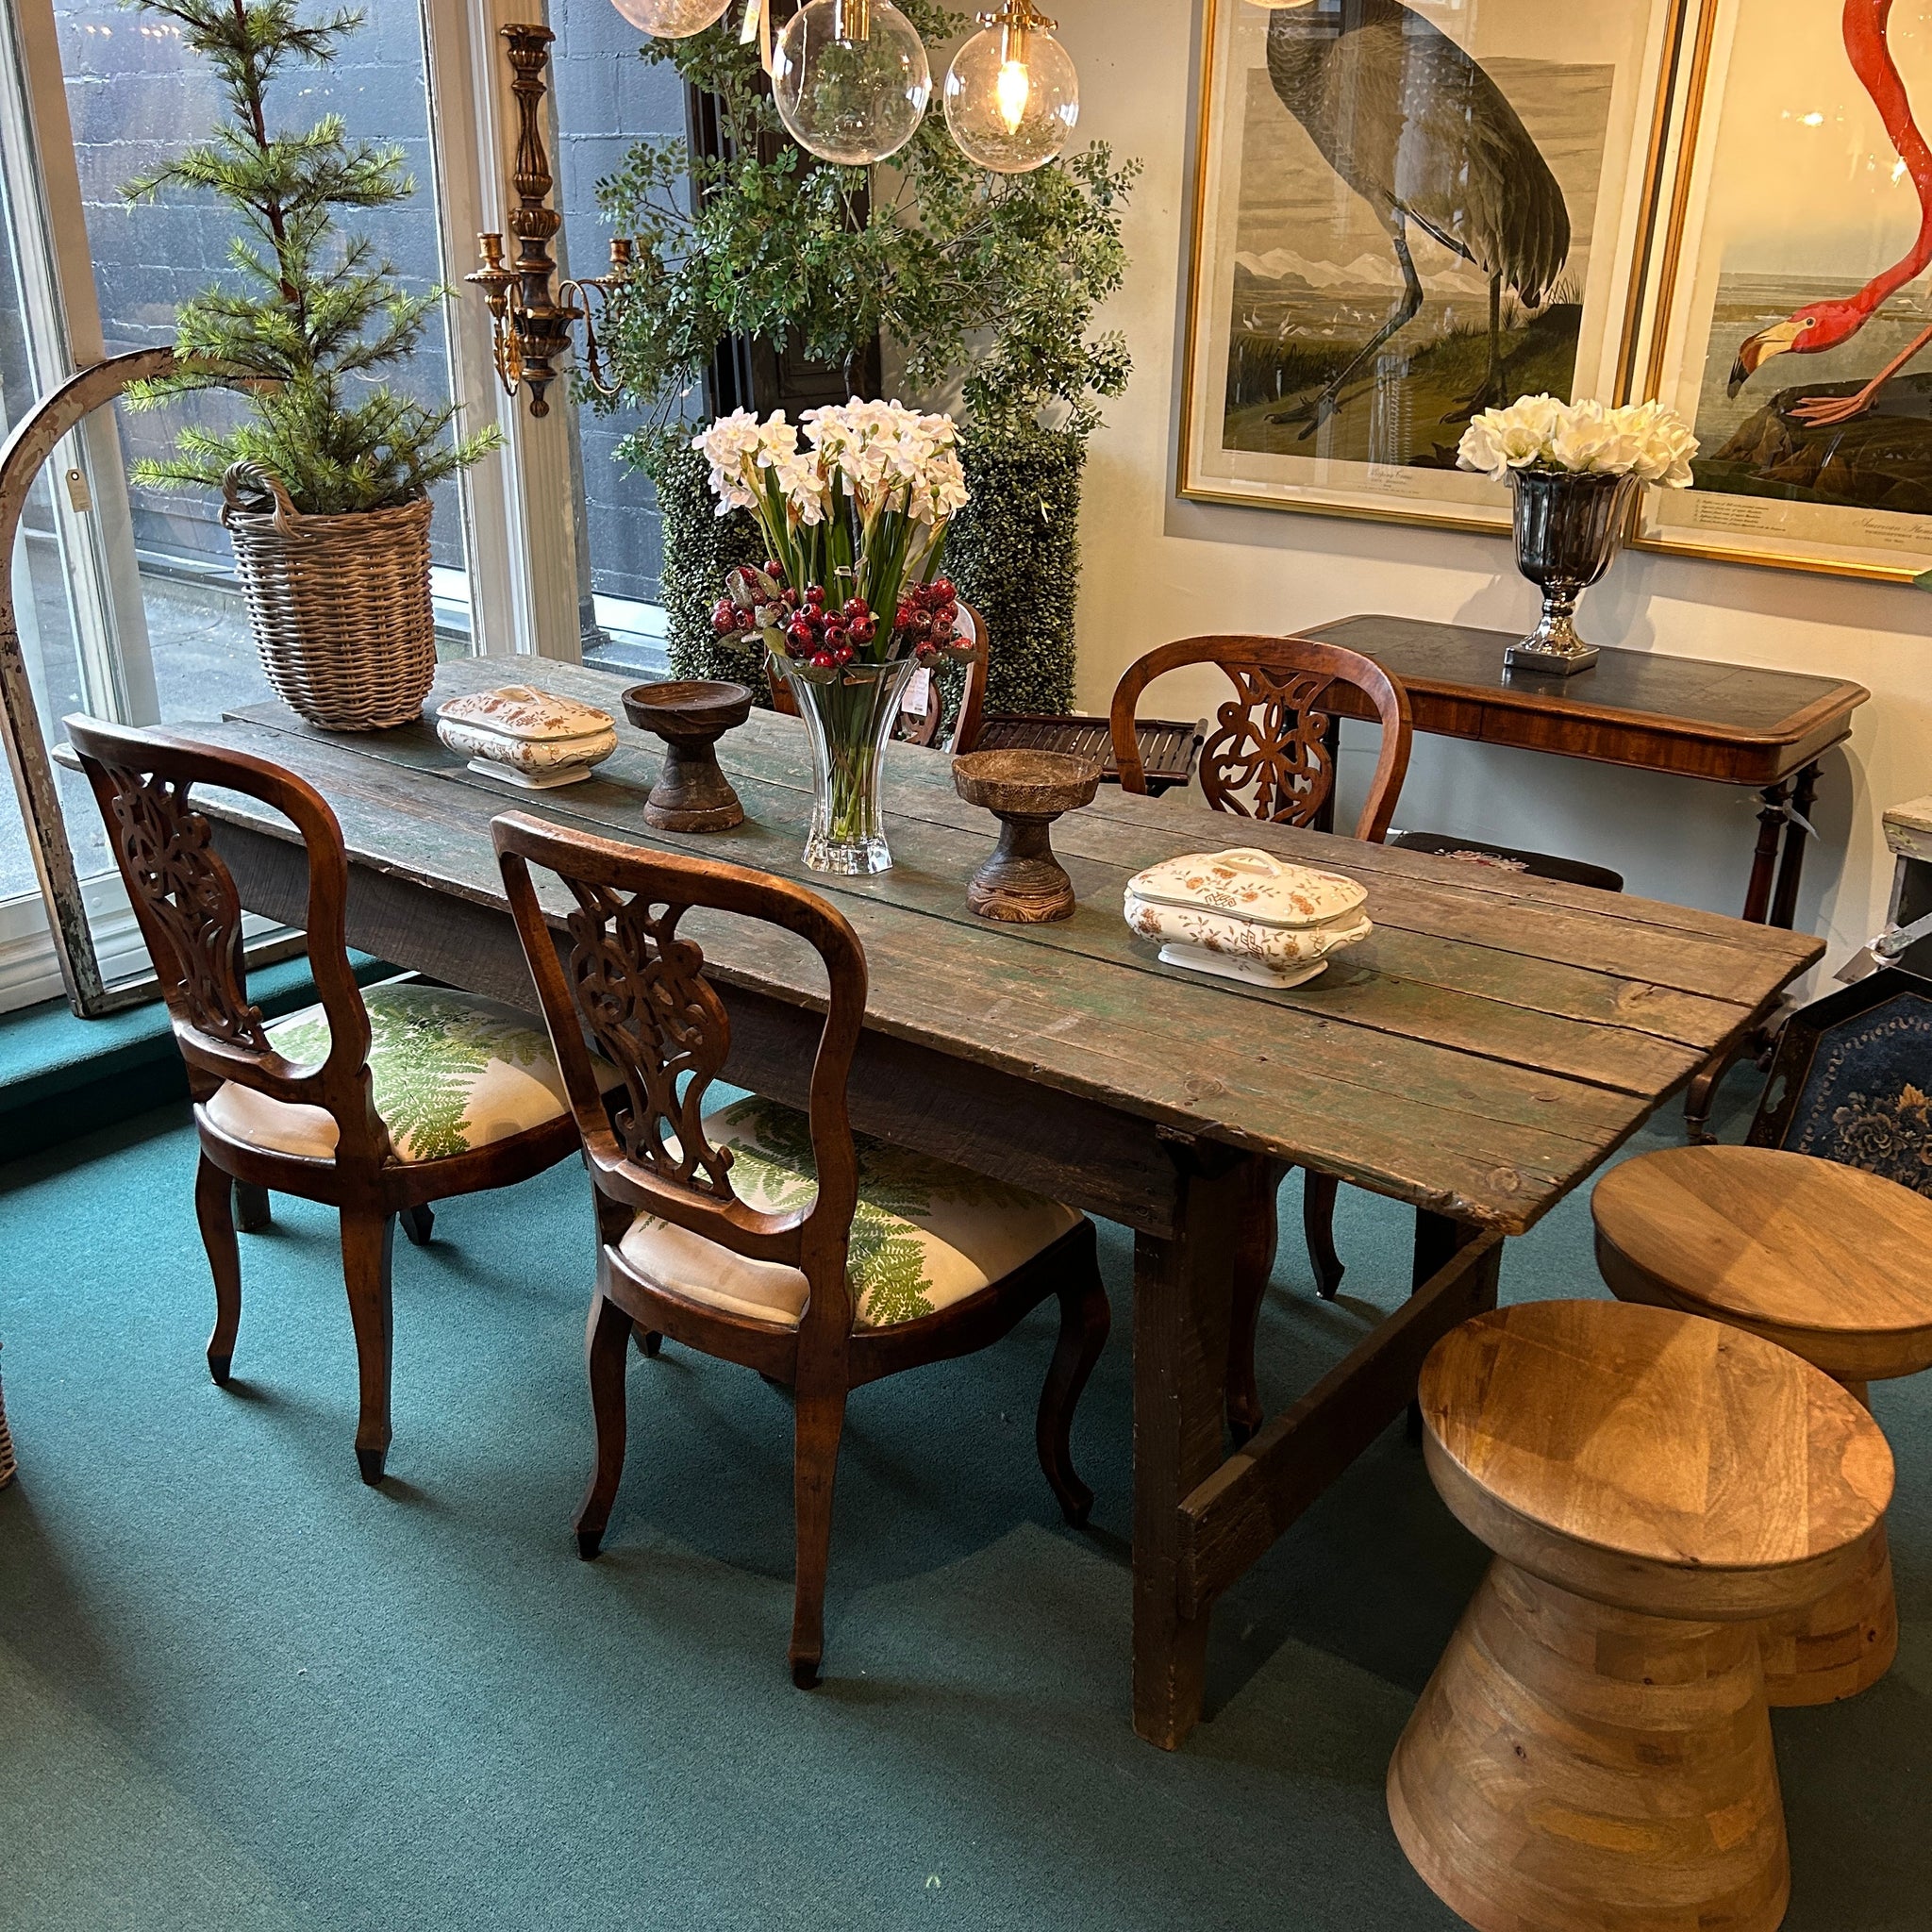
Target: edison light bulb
[
  {"x": 1013, "y": 96},
  {"x": 1012, "y": 90},
  {"x": 671, "y": 20},
  {"x": 850, "y": 80}
]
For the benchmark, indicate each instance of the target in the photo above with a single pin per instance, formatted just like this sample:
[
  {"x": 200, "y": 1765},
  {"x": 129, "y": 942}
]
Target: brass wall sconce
[{"x": 533, "y": 316}]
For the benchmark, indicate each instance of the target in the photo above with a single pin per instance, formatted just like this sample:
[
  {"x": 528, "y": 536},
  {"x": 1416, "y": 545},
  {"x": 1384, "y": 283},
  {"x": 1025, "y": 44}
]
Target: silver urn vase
[{"x": 1569, "y": 525}]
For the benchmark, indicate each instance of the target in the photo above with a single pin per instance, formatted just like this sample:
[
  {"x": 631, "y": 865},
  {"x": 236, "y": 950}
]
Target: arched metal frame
[
  {"x": 22, "y": 457},
  {"x": 26, "y": 454}
]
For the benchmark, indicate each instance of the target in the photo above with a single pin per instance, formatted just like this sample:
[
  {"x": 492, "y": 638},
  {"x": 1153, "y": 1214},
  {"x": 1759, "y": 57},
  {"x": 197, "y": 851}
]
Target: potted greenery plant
[
  {"x": 982, "y": 285},
  {"x": 325, "y": 477}
]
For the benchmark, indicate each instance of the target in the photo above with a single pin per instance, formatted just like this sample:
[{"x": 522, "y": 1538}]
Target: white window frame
[{"x": 520, "y": 524}]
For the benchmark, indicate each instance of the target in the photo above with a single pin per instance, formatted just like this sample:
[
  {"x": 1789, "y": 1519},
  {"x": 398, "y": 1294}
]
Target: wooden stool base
[
  {"x": 1843, "y": 1644},
  {"x": 1573, "y": 1768}
]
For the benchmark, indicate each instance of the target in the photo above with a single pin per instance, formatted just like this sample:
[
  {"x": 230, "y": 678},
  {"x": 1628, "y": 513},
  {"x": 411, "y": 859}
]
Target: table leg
[
  {"x": 1183, "y": 1290},
  {"x": 1437, "y": 1241},
  {"x": 1784, "y": 904},
  {"x": 1772, "y": 824}
]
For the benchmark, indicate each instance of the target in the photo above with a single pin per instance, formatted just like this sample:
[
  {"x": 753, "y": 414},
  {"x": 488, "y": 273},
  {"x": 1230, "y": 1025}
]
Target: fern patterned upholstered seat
[
  {"x": 925, "y": 1236},
  {"x": 450, "y": 1072}
]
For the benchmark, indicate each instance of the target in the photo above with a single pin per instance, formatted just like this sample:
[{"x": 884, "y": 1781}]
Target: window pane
[
  {"x": 607, "y": 100},
  {"x": 136, "y": 98},
  {"x": 43, "y": 607}
]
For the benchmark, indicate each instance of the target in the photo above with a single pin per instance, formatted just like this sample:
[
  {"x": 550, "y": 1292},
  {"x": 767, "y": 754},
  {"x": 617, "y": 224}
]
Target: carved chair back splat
[
  {"x": 622, "y": 976},
  {"x": 1269, "y": 753}
]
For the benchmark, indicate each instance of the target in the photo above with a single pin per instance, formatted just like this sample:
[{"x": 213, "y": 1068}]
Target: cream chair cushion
[
  {"x": 925, "y": 1236},
  {"x": 450, "y": 1072}
]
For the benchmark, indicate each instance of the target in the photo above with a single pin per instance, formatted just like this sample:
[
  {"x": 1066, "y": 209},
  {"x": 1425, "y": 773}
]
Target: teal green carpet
[{"x": 238, "y": 1691}]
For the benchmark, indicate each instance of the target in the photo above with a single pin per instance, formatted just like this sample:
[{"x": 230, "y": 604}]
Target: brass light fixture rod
[{"x": 532, "y": 314}]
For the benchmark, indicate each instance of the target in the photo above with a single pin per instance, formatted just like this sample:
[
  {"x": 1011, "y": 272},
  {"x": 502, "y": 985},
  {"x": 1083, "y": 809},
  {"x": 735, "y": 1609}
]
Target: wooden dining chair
[
  {"x": 763, "y": 1236},
  {"x": 375, "y": 1103},
  {"x": 921, "y": 725},
  {"x": 1269, "y": 753}
]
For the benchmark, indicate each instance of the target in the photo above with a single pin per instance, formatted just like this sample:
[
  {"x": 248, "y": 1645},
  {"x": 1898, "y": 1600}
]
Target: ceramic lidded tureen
[
  {"x": 1246, "y": 915},
  {"x": 527, "y": 737}
]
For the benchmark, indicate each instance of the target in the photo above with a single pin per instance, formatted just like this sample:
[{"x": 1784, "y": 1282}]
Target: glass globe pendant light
[
  {"x": 671, "y": 20},
  {"x": 1011, "y": 93},
  {"x": 850, "y": 80}
]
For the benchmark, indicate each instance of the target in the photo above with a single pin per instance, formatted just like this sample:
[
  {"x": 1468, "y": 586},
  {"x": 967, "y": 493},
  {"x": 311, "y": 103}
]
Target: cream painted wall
[{"x": 1156, "y": 567}]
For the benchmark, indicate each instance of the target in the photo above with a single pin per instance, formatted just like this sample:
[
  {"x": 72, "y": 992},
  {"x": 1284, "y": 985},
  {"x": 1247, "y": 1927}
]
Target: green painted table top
[{"x": 1492, "y": 1040}]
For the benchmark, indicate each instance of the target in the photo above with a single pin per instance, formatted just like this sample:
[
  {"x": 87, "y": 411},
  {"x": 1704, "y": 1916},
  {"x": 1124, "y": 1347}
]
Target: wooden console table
[{"x": 1728, "y": 722}]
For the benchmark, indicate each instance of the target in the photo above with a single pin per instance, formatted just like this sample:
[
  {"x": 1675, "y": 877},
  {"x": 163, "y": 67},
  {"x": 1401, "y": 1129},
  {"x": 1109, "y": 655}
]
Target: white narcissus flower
[{"x": 735, "y": 445}]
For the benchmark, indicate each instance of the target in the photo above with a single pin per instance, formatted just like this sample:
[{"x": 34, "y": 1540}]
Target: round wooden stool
[
  {"x": 1593, "y": 1752},
  {"x": 1833, "y": 1263}
]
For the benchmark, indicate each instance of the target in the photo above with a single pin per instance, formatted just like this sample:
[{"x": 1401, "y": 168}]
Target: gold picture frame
[
  {"x": 1753, "y": 242},
  {"x": 1280, "y": 240}
]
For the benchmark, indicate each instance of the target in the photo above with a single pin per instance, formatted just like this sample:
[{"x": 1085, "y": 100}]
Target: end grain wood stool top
[
  {"x": 1829, "y": 1262},
  {"x": 1594, "y": 1752}
]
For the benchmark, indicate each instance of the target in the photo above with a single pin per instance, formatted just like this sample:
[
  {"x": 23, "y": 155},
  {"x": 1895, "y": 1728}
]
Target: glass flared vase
[{"x": 848, "y": 718}]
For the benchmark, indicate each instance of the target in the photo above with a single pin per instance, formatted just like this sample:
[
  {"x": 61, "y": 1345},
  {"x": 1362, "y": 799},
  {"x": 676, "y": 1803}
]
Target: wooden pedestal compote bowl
[
  {"x": 691, "y": 795},
  {"x": 1022, "y": 882},
  {"x": 1593, "y": 1753}
]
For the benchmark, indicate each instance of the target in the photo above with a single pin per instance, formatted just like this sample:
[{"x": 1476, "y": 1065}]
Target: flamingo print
[{"x": 1826, "y": 324}]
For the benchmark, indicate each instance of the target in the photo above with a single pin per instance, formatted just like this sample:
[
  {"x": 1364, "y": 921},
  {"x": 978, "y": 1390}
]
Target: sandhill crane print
[{"x": 1411, "y": 253}]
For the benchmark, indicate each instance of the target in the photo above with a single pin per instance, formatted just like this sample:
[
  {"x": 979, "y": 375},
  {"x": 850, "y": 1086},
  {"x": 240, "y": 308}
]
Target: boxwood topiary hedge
[
  {"x": 1014, "y": 551},
  {"x": 700, "y": 549}
]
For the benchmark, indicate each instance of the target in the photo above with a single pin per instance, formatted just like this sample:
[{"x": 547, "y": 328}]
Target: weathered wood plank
[
  {"x": 1450, "y": 1131},
  {"x": 772, "y": 747},
  {"x": 1592, "y": 1024},
  {"x": 1368, "y": 987},
  {"x": 1236, "y": 1514}
]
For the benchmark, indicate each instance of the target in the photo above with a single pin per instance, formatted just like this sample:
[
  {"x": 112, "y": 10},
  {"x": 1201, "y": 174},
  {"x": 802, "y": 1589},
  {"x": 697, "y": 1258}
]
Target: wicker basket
[
  {"x": 340, "y": 606},
  {"x": 6, "y": 1445}
]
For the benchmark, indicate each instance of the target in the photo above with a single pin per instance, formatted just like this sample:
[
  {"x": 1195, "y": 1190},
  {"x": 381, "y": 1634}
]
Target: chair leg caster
[
  {"x": 219, "y": 1367},
  {"x": 370, "y": 1462},
  {"x": 804, "y": 1673},
  {"x": 590, "y": 1544}
]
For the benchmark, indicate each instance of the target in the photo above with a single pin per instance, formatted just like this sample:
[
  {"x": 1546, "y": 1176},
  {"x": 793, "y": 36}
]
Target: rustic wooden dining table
[{"x": 1475, "y": 1058}]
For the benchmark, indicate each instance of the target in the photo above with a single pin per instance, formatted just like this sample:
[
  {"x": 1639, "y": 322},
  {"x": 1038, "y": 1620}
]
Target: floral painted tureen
[
  {"x": 1247, "y": 915},
  {"x": 528, "y": 737}
]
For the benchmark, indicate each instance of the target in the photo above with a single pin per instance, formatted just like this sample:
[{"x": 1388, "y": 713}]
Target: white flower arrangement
[
  {"x": 879, "y": 451},
  {"x": 1641, "y": 440},
  {"x": 856, "y": 517}
]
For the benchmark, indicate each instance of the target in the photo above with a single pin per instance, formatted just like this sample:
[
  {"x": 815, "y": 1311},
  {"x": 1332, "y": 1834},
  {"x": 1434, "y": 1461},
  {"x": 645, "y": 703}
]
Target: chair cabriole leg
[
  {"x": 368, "y": 1248},
  {"x": 820, "y": 1423},
  {"x": 607, "y": 1339},
  {"x": 1084, "y": 1319},
  {"x": 214, "y": 1209}
]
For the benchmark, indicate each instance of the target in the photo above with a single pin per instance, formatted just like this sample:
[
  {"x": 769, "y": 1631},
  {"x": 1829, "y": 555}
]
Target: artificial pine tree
[{"x": 312, "y": 310}]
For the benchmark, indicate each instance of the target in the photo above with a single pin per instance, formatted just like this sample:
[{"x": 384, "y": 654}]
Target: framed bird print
[
  {"x": 1793, "y": 305},
  {"x": 1404, "y": 211}
]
